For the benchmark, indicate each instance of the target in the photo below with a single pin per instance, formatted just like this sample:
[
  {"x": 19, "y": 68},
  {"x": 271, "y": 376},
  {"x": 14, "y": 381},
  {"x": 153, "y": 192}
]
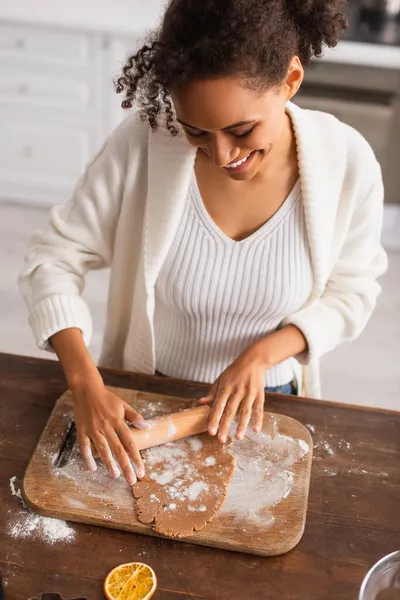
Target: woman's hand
[
  {"x": 238, "y": 391},
  {"x": 100, "y": 419},
  {"x": 240, "y": 388}
]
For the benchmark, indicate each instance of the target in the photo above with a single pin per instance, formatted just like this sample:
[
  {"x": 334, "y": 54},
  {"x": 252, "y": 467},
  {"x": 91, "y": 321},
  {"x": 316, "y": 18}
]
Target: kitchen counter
[
  {"x": 130, "y": 18},
  {"x": 353, "y": 517}
]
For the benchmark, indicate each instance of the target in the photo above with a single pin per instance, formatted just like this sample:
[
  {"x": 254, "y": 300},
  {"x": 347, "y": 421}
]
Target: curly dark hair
[{"x": 199, "y": 39}]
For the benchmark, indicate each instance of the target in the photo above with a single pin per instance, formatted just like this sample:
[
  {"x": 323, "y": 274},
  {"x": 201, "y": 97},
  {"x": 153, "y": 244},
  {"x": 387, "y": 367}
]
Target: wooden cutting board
[{"x": 56, "y": 483}]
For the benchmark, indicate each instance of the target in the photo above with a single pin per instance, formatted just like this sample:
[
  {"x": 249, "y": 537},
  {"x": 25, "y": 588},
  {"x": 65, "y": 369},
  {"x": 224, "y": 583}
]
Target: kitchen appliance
[
  {"x": 374, "y": 22},
  {"x": 388, "y": 7}
]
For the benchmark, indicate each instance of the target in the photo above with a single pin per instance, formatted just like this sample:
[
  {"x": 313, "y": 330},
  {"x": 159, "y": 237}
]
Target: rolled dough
[{"x": 185, "y": 486}]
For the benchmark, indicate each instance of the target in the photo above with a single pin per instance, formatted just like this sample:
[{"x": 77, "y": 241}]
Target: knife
[{"x": 2, "y": 596}]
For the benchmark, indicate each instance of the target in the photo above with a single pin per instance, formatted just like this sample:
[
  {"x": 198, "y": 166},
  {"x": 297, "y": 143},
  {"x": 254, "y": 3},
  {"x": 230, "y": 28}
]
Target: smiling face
[{"x": 236, "y": 127}]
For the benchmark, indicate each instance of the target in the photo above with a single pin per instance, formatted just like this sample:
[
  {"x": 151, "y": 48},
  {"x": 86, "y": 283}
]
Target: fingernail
[
  {"x": 131, "y": 478},
  {"x": 92, "y": 465},
  {"x": 115, "y": 473},
  {"x": 239, "y": 435},
  {"x": 139, "y": 470},
  {"x": 257, "y": 429},
  {"x": 223, "y": 439},
  {"x": 142, "y": 425},
  {"x": 212, "y": 430}
]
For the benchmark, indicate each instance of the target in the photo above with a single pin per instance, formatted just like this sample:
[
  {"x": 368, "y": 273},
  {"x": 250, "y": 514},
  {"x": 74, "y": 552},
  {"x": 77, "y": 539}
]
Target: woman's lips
[{"x": 240, "y": 165}]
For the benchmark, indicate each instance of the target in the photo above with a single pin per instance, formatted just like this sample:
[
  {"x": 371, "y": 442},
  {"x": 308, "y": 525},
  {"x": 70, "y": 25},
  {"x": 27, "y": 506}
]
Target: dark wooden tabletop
[{"x": 353, "y": 517}]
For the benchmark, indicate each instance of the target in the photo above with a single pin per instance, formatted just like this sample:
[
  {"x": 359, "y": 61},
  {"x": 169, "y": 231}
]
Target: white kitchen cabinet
[
  {"x": 36, "y": 155},
  {"x": 57, "y": 104},
  {"x": 35, "y": 43}
]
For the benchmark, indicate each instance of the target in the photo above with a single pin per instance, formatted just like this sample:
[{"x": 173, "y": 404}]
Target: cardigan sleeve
[
  {"x": 79, "y": 237},
  {"x": 350, "y": 294}
]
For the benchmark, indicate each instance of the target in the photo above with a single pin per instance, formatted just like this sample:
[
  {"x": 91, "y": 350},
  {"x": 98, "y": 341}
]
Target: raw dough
[{"x": 185, "y": 486}]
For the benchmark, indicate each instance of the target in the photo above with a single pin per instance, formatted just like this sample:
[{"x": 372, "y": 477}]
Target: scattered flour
[
  {"x": 154, "y": 409},
  {"x": 359, "y": 471},
  {"x": 201, "y": 508},
  {"x": 29, "y": 524},
  {"x": 180, "y": 477},
  {"x": 162, "y": 478},
  {"x": 50, "y": 530},
  {"x": 14, "y": 490},
  {"x": 326, "y": 449},
  {"x": 263, "y": 475},
  {"x": 310, "y": 427},
  {"x": 171, "y": 428},
  {"x": 344, "y": 445},
  {"x": 195, "y": 489},
  {"x": 323, "y": 447},
  {"x": 303, "y": 445},
  {"x": 330, "y": 472},
  {"x": 170, "y": 453},
  {"x": 195, "y": 444}
]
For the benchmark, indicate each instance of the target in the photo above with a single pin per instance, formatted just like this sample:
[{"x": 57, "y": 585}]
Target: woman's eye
[
  {"x": 246, "y": 133},
  {"x": 197, "y": 134}
]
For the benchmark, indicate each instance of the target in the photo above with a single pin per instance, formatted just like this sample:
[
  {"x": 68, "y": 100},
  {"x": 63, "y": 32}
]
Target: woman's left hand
[{"x": 238, "y": 391}]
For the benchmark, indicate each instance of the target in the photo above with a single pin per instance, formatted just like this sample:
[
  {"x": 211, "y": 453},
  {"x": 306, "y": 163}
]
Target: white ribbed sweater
[
  {"x": 215, "y": 296},
  {"x": 126, "y": 210}
]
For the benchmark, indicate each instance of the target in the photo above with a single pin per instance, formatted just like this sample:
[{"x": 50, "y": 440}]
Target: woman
[{"x": 241, "y": 249}]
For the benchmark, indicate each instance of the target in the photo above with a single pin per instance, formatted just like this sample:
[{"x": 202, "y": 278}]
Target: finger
[
  {"x": 135, "y": 418},
  {"x": 94, "y": 451},
  {"x": 245, "y": 416},
  {"x": 210, "y": 396},
  {"x": 85, "y": 448},
  {"x": 229, "y": 414},
  {"x": 258, "y": 413},
  {"x": 132, "y": 450},
  {"x": 206, "y": 400},
  {"x": 104, "y": 451},
  {"x": 222, "y": 396},
  {"x": 121, "y": 457}
]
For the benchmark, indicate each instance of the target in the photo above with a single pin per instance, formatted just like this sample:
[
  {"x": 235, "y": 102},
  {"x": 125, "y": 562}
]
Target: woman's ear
[{"x": 294, "y": 77}]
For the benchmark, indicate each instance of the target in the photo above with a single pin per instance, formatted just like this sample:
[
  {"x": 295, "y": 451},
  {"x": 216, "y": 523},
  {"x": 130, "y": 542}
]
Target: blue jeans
[{"x": 288, "y": 388}]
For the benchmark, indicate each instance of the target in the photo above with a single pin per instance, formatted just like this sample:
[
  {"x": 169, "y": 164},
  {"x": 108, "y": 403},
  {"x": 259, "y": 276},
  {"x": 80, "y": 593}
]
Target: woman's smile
[{"x": 242, "y": 164}]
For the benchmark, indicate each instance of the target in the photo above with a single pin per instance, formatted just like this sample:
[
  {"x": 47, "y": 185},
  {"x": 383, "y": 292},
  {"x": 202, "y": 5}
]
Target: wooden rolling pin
[{"x": 172, "y": 427}]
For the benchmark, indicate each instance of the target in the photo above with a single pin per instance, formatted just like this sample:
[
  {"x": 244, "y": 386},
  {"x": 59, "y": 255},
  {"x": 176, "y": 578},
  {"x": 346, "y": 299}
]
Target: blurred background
[{"x": 57, "y": 104}]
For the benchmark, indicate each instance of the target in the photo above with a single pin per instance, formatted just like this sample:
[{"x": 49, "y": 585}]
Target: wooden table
[{"x": 353, "y": 517}]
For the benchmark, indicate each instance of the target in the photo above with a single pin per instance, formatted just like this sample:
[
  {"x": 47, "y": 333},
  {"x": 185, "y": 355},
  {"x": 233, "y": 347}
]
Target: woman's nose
[{"x": 222, "y": 153}]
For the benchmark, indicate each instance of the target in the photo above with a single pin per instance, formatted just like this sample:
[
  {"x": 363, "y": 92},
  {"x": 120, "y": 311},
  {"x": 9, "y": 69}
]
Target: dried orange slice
[{"x": 131, "y": 581}]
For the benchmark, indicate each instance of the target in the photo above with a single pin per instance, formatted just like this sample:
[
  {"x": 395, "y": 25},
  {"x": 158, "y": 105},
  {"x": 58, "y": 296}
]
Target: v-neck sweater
[
  {"x": 216, "y": 296},
  {"x": 125, "y": 212}
]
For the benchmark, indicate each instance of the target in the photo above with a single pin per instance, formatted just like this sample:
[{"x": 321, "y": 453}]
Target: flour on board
[{"x": 263, "y": 477}]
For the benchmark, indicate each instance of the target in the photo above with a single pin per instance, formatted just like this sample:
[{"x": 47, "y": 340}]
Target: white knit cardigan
[{"x": 125, "y": 212}]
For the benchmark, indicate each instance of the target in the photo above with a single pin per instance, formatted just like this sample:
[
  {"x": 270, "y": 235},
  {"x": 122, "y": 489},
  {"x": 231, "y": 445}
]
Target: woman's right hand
[{"x": 100, "y": 418}]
